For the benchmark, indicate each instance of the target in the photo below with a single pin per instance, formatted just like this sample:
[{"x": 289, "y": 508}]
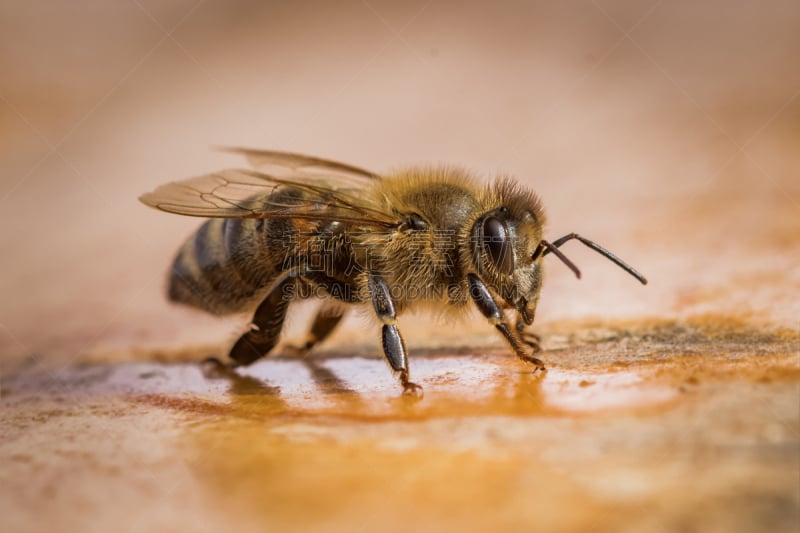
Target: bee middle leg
[
  {"x": 325, "y": 321},
  {"x": 265, "y": 328},
  {"x": 394, "y": 348},
  {"x": 489, "y": 308},
  {"x": 528, "y": 337}
]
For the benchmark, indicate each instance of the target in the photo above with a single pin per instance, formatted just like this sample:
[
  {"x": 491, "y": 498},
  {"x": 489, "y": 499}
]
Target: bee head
[{"x": 504, "y": 244}]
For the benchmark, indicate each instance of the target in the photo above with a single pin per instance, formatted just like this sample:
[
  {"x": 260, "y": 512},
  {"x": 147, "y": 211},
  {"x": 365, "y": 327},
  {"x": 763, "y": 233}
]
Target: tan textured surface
[{"x": 674, "y": 406}]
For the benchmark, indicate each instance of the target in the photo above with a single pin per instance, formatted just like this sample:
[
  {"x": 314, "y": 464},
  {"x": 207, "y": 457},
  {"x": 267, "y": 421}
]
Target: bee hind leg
[
  {"x": 394, "y": 348},
  {"x": 265, "y": 328}
]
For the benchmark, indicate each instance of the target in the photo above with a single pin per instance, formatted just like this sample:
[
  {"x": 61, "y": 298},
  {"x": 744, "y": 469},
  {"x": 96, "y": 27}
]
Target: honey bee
[{"x": 294, "y": 227}]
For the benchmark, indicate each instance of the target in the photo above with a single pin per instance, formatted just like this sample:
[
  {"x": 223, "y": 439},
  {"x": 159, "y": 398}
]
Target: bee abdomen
[{"x": 220, "y": 268}]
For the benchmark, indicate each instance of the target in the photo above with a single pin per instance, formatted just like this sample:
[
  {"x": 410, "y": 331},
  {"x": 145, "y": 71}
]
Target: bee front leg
[
  {"x": 485, "y": 302},
  {"x": 394, "y": 348}
]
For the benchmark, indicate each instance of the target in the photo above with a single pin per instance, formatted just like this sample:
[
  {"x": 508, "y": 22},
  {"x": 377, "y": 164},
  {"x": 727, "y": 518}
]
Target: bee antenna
[
  {"x": 545, "y": 247},
  {"x": 553, "y": 247}
]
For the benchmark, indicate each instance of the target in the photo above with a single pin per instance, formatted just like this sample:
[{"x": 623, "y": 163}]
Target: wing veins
[{"x": 247, "y": 198}]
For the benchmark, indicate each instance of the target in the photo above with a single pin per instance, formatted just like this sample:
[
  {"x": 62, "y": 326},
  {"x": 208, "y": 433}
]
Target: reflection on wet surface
[
  {"x": 623, "y": 420},
  {"x": 361, "y": 388}
]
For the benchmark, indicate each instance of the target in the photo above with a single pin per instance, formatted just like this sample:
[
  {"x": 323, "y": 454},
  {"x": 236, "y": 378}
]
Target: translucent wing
[
  {"x": 302, "y": 165},
  {"x": 242, "y": 193}
]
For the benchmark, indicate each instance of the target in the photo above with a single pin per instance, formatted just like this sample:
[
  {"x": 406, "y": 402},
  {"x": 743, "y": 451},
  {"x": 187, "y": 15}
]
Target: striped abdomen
[{"x": 227, "y": 265}]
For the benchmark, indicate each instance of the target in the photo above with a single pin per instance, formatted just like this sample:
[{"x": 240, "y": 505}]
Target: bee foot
[
  {"x": 412, "y": 390},
  {"x": 538, "y": 363},
  {"x": 213, "y": 368}
]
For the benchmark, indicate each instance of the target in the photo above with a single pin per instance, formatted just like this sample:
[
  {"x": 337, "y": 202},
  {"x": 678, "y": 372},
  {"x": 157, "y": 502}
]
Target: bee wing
[
  {"x": 302, "y": 165},
  {"x": 244, "y": 193}
]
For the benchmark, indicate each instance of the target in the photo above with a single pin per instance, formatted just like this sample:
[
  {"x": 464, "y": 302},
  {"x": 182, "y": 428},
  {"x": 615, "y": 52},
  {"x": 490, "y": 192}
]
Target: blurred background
[{"x": 667, "y": 131}]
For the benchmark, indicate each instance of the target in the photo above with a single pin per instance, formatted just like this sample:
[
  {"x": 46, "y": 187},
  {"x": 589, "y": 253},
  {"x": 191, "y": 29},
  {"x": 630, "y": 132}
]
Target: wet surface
[{"x": 627, "y": 418}]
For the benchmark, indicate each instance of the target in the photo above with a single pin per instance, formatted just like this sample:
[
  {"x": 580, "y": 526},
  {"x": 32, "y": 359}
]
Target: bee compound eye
[{"x": 496, "y": 244}]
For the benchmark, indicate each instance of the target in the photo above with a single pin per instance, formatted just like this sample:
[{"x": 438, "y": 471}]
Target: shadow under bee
[{"x": 326, "y": 381}]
